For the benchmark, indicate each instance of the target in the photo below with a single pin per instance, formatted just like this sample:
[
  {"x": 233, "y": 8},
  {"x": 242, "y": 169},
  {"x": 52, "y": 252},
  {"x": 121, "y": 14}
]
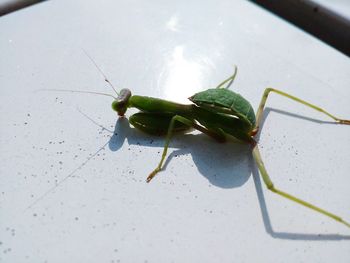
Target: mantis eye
[{"x": 121, "y": 103}]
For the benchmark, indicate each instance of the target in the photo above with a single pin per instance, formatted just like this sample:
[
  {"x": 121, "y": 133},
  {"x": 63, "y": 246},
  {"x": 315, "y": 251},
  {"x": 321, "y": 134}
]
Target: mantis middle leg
[{"x": 217, "y": 136}]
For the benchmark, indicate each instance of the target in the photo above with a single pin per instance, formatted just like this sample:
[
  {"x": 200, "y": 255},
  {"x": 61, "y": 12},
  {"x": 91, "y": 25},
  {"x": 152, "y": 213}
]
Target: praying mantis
[{"x": 219, "y": 113}]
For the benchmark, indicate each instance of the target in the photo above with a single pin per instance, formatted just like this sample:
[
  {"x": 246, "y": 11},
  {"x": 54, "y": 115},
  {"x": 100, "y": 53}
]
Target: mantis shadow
[
  {"x": 223, "y": 165},
  {"x": 233, "y": 170}
]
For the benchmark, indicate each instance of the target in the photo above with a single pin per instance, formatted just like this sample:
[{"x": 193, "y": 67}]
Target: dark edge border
[
  {"x": 323, "y": 23},
  {"x": 11, "y": 6}
]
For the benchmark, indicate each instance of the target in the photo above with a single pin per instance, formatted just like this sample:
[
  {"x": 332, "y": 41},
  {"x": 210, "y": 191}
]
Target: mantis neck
[{"x": 156, "y": 105}]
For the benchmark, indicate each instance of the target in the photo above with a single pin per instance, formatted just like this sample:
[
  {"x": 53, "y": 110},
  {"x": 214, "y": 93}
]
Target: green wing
[{"x": 225, "y": 101}]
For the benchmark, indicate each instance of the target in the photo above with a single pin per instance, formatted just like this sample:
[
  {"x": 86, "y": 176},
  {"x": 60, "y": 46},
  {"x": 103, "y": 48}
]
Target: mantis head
[{"x": 120, "y": 104}]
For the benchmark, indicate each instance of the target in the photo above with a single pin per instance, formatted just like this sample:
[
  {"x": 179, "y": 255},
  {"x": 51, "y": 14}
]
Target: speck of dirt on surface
[{"x": 7, "y": 250}]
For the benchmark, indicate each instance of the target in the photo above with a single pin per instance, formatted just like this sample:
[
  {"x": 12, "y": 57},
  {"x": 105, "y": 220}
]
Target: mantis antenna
[
  {"x": 79, "y": 91},
  {"x": 98, "y": 68}
]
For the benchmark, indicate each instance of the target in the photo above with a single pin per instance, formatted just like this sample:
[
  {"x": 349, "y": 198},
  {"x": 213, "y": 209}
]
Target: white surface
[{"x": 209, "y": 205}]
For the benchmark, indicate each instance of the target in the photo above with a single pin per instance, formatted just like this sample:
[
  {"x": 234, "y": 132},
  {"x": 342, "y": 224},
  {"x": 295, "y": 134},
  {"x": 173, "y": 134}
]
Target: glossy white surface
[{"x": 209, "y": 205}]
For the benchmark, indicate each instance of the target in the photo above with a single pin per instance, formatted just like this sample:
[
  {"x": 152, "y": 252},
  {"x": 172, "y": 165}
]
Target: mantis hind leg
[
  {"x": 266, "y": 94},
  {"x": 217, "y": 136},
  {"x": 271, "y": 187}
]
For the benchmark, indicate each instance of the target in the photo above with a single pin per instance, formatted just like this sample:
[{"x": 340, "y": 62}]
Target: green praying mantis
[{"x": 219, "y": 113}]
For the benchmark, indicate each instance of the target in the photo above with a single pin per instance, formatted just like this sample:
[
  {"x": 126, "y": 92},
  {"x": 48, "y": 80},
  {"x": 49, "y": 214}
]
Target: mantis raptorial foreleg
[
  {"x": 266, "y": 94},
  {"x": 217, "y": 136},
  {"x": 271, "y": 187}
]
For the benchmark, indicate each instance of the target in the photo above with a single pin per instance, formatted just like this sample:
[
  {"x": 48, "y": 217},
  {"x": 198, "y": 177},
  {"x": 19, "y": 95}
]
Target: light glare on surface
[{"x": 184, "y": 76}]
